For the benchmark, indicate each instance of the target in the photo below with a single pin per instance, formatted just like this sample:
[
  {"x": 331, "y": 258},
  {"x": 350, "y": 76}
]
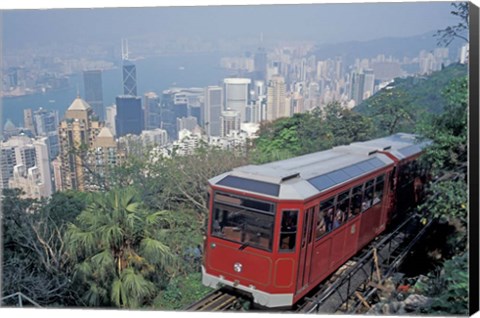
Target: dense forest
[{"x": 138, "y": 244}]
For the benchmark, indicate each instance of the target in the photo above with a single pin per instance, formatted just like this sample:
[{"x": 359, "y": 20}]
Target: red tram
[{"x": 277, "y": 230}]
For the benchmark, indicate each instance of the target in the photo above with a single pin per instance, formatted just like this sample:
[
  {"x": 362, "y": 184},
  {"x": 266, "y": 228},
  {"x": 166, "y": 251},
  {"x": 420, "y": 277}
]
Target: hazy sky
[{"x": 320, "y": 22}]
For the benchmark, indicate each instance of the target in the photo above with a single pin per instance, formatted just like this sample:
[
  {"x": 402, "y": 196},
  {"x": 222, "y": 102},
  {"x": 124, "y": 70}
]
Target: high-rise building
[
  {"x": 357, "y": 87},
  {"x": 260, "y": 62},
  {"x": 213, "y": 110},
  {"x": 92, "y": 82},
  {"x": 236, "y": 95},
  {"x": 230, "y": 121},
  {"x": 152, "y": 111},
  {"x": 129, "y": 119},
  {"x": 16, "y": 151},
  {"x": 77, "y": 133},
  {"x": 276, "y": 102},
  {"x": 46, "y": 125},
  {"x": 45, "y": 121},
  {"x": 25, "y": 165},
  {"x": 129, "y": 78},
  {"x": 28, "y": 119},
  {"x": 129, "y": 72},
  {"x": 369, "y": 84},
  {"x": 102, "y": 157}
]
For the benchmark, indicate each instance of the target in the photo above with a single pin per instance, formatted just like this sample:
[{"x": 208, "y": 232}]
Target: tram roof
[{"x": 302, "y": 177}]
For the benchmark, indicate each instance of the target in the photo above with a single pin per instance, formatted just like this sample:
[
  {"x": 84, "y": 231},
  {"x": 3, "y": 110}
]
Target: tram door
[{"x": 306, "y": 246}]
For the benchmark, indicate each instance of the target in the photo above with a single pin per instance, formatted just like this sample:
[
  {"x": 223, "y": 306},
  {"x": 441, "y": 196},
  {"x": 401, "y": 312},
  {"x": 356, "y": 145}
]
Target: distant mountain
[{"x": 394, "y": 46}]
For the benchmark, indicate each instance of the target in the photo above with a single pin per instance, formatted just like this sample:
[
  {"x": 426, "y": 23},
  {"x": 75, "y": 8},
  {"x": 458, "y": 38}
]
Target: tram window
[
  {"x": 327, "y": 207},
  {"x": 379, "y": 184},
  {"x": 368, "y": 196},
  {"x": 288, "y": 231},
  {"x": 356, "y": 202}
]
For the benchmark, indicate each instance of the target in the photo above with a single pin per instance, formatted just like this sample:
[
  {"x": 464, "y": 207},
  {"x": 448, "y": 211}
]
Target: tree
[
  {"x": 115, "y": 242},
  {"x": 305, "y": 133},
  {"x": 34, "y": 257},
  {"x": 447, "y": 35},
  {"x": 392, "y": 110}
]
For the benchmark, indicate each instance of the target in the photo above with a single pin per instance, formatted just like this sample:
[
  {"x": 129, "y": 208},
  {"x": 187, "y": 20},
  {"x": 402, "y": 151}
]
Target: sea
[{"x": 154, "y": 74}]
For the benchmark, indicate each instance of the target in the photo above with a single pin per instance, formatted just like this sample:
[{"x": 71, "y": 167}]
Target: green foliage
[
  {"x": 34, "y": 258},
  {"x": 409, "y": 101},
  {"x": 117, "y": 245},
  {"x": 180, "y": 292},
  {"x": 310, "y": 132},
  {"x": 448, "y": 130},
  {"x": 448, "y": 287},
  {"x": 449, "y": 200}
]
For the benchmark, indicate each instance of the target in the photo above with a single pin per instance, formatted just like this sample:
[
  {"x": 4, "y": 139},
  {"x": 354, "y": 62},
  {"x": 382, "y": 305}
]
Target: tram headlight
[{"x": 237, "y": 267}]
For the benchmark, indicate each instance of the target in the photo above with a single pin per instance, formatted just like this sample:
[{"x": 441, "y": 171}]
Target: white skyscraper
[
  {"x": 236, "y": 95},
  {"x": 276, "y": 101},
  {"x": 213, "y": 107}
]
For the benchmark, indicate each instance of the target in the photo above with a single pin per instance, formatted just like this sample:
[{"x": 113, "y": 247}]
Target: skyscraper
[
  {"x": 46, "y": 125},
  {"x": 152, "y": 111},
  {"x": 129, "y": 72},
  {"x": 276, "y": 102},
  {"x": 213, "y": 110},
  {"x": 260, "y": 63},
  {"x": 129, "y": 119},
  {"x": 92, "y": 82},
  {"x": 28, "y": 119},
  {"x": 357, "y": 87},
  {"x": 77, "y": 133},
  {"x": 236, "y": 95}
]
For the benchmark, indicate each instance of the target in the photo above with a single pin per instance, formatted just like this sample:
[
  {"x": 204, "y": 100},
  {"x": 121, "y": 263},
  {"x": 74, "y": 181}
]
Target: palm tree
[{"x": 116, "y": 244}]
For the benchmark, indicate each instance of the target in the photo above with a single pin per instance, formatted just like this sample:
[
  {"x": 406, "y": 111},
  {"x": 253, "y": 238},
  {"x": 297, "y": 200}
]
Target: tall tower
[
  {"x": 236, "y": 95},
  {"x": 129, "y": 72},
  {"x": 213, "y": 110},
  {"x": 92, "y": 82},
  {"x": 129, "y": 119},
  {"x": 276, "y": 102},
  {"x": 77, "y": 133}
]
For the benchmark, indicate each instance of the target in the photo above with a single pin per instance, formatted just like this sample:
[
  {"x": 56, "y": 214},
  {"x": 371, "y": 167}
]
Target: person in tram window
[
  {"x": 329, "y": 219},
  {"x": 376, "y": 198},
  {"x": 337, "y": 220},
  {"x": 321, "y": 226}
]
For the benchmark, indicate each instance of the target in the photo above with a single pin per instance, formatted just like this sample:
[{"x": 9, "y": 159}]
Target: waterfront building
[
  {"x": 129, "y": 118},
  {"x": 92, "y": 83}
]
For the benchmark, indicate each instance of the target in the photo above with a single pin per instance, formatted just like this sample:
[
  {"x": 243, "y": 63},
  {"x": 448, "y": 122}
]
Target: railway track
[{"x": 217, "y": 300}]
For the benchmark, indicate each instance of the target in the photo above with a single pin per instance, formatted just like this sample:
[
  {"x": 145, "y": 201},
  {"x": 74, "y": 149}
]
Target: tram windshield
[{"x": 243, "y": 220}]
